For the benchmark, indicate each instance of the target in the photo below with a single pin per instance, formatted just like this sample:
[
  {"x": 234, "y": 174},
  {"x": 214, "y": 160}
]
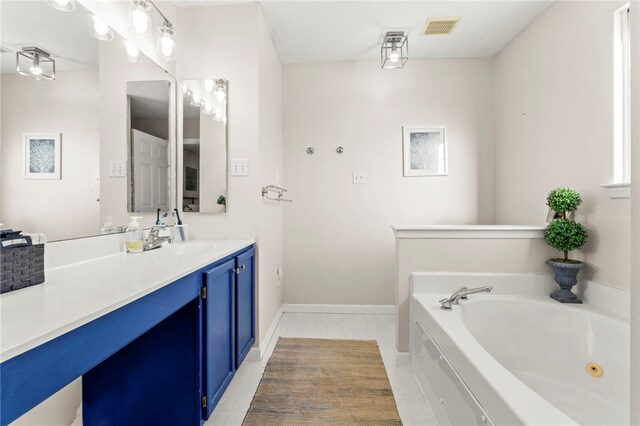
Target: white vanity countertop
[
  {"x": 76, "y": 294},
  {"x": 469, "y": 231}
]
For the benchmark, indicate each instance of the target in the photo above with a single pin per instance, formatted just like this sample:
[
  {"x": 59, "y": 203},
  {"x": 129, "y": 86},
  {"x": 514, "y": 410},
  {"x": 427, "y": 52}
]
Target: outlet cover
[
  {"x": 117, "y": 168},
  {"x": 240, "y": 167},
  {"x": 359, "y": 178}
]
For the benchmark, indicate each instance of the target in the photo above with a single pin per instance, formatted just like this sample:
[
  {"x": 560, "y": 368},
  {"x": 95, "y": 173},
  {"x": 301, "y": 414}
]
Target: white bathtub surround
[
  {"x": 522, "y": 355},
  {"x": 463, "y": 248}
]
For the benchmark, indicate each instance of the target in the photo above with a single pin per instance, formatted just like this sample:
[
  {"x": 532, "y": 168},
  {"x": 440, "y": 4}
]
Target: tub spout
[{"x": 447, "y": 303}]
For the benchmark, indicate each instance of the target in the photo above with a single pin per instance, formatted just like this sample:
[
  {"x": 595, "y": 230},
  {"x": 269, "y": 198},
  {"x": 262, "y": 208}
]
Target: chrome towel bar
[{"x": 278, "y": 191}]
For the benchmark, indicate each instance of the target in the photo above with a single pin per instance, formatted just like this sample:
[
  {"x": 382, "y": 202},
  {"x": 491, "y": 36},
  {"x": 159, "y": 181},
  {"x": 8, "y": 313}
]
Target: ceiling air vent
[{"x": 440, "y": 26}]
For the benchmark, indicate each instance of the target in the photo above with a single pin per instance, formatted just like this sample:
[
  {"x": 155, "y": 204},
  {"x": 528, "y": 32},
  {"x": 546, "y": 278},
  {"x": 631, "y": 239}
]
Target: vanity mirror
[
  {"x": 202, "y": 151},
  {"x": 71, "y": 118}
]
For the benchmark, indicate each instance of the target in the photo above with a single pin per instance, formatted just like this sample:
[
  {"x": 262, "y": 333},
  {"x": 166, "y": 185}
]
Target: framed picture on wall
[
  {"x": 42, "y": 155},
  {"x": 424, "y": 151}
]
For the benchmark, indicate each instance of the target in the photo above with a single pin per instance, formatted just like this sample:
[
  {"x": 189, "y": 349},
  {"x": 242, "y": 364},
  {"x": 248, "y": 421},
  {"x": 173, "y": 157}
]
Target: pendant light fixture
[
  {"x": 394, "y": 52},
  {"x": 63, "y": 5},
  {"x": 35, "y": 63},
  {"x": 100, "y": 30}
]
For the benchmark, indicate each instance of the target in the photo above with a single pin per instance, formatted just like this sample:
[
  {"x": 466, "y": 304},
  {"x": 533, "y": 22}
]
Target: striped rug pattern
[{"x": 324, "y": 382}]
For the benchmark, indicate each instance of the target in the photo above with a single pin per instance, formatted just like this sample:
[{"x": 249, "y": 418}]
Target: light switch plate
[
  {"x": 117, "y": 168},
  {"x": 239, "y": 167},
  {"x": 359, "y": 178}
]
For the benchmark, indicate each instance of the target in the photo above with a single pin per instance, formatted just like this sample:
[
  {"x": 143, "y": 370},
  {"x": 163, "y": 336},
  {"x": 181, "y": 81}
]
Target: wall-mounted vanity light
[
  {"x": 140, "y": 25},
  {"x": 35, "y": 63},
  {"x": 100, "y": 30},
  {"x": 221, "y": 90},
  {"x": 394, "y": 52},
  {"x": 166, "y": 41},
  {"x": 139, "y": 17},
  {"x": 196, "y": 100},
  {"x": 131, "y": 52},
  {"x": 64, "y": 5}
]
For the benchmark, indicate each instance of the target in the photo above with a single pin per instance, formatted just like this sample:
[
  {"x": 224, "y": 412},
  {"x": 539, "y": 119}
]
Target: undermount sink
[{"x": 182, "y": 248}]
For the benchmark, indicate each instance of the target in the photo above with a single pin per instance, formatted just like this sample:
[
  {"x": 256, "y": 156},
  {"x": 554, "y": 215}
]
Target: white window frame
[{"x": 620, "y": 188}]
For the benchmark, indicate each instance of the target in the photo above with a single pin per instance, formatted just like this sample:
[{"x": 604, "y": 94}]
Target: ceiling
[
  {"x": 65, "y": 35},
  {"x": 328, "y": 31}
]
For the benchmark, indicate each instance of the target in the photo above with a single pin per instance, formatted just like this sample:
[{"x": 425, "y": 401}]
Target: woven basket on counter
[{"x": 21, "y": 267}]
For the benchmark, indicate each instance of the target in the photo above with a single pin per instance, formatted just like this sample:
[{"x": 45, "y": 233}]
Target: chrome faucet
[
  {"x": 447, "y": 303},
  {"x": 154, "y": 240}
]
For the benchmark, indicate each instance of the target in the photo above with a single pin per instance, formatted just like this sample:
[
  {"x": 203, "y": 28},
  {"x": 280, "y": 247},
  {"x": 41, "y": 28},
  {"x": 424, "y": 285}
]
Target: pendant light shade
[
  {"x": 166, "y": 41},
  {"x": 139, "y": 20}
]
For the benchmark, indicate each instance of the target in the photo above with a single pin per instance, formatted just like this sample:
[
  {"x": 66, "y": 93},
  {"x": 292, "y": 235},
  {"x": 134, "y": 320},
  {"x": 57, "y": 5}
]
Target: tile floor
[{"x": 413, "y": 409}]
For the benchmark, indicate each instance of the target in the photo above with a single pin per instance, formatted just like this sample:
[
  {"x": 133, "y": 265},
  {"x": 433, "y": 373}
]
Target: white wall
[
  {"x": 554, "y": 127},
  {"x": 338, "y": 245},
  {"x": 239, "y": 50},
  {"x": 68, "y": 105},
  {"x": 270, "y": 127}
]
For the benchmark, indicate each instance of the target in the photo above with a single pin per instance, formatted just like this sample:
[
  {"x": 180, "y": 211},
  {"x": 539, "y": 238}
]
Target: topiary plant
[
  {"x": 563, "y": 200},
  {"x": 222, "y": 200},
  {"x": 565, "y": 234}
]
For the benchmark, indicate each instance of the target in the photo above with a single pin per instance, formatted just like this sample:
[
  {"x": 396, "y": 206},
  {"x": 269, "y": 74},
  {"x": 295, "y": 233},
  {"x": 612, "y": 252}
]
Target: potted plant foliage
[{"x": 565, "y": 234}]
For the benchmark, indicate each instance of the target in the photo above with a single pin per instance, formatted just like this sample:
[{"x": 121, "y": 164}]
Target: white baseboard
[
  {"x": 257, "y": 352},
  {"x": 402, "y": 359},
  {"x": 339, "y": 309}
]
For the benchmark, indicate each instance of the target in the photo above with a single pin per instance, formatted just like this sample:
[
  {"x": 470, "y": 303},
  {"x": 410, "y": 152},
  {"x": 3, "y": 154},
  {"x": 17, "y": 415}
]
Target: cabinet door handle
[{"x": 242, "y": 267}]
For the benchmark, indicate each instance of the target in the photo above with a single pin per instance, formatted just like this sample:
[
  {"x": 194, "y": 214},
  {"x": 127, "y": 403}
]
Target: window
[{"x": 622, "y": 81}]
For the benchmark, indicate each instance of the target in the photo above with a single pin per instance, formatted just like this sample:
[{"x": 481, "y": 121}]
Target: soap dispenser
[
  {"x": 134, "y": 235},
  {"x": 108, "y": 227}
]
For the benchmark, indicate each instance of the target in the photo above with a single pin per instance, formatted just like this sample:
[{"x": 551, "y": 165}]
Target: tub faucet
[
  {"x": 154, "y": 240},
  {"x": 447, "y": 303}
]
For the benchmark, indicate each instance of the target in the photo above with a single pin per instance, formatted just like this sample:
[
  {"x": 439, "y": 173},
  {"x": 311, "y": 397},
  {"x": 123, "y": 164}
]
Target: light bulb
[
  {"x": 220, "y": 95},
  {"x": 166, "y": 41},
  {"x": 166, "y": 45},
  {"x": 100, "y": 29},
  {"x": 131, "y": 51},
  {"x": 195, "y": 99},
  {"x": 208, "y": 85},
  {"x": 139, "y": 18},
  {"x": 35, "y": 70},
  {"x": 394, "y": 56},
  {"x": 99, "y": 26}
]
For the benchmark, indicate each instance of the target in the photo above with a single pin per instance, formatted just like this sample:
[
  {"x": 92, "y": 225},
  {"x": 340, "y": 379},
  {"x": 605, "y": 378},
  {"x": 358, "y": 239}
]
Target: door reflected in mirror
[
  {"x": 149, "y": 184},
  {"x": 203, "y": 148}
]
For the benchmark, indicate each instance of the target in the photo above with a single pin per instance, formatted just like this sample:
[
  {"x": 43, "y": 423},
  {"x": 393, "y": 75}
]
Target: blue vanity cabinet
[
  {"x": 245, "y": 296},
  {"x": 219, "y": 362}
]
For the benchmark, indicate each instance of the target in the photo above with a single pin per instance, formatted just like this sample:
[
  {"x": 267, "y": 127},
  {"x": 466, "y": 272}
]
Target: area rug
[{"x": 324, "y": 382}]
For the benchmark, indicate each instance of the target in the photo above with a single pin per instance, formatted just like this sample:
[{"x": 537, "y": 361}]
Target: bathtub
[{"x": 515, "y": 356}]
